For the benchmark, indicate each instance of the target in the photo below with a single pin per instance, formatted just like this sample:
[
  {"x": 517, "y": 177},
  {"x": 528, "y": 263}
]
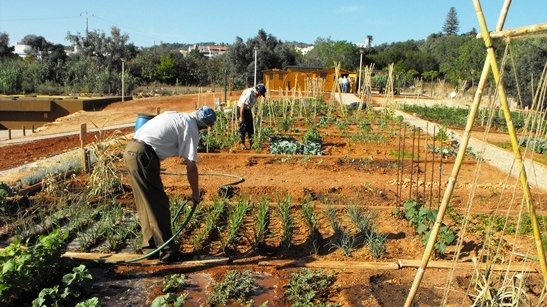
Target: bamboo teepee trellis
[{"x": 490, "y": 64}]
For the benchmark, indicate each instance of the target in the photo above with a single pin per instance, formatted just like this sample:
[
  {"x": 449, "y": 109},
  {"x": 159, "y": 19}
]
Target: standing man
[
  {"x": 169, "y": 134},
  {"x": 345, "y": 84},
  {"x": 245, "y": 115}
]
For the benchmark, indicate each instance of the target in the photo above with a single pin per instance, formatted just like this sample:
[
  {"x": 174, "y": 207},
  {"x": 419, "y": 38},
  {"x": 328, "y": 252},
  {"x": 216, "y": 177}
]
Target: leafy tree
[
  {"x": 406, "y": 56},
  {"x": 430, "y": 75},
  {"x": 468, "y": 64},
  {"x": 369, "y": 40},
  {"x": 217, "y": 68},
  {"x": 11, "y": 75},
  {"x": 39, "y": 46},
  {"x": 270, "y": 54},
  {"x": 452, "y": 24},
  {"x": 525, "y": 70},
  {"x": 327, "y": 52},
  {"x": 143, "y": 66},
  {"x": 443, "y": 48},
  {"x": 411, "y": 74},
  {"x": 196, "y": 73},
  {"x": 5, "y": 49},
  {"x": 107, "y": 51},
  {"x": 165, "y": 70},
  {"x": 33, "y": 75}
]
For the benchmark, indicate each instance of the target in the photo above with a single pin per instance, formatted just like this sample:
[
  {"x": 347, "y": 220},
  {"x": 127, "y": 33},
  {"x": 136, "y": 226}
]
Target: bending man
[{"x": 169, "y": 134}]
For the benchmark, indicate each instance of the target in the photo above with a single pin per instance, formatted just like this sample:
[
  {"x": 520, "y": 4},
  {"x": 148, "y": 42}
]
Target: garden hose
[
  {"x": 225, "y": 187},
  {"x": 194, "y": 205},
  {"x": 225, "y": 190}
]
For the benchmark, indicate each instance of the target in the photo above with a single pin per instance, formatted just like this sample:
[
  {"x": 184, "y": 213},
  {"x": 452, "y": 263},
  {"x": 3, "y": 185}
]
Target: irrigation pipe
[{"x": 239, "y": 178}]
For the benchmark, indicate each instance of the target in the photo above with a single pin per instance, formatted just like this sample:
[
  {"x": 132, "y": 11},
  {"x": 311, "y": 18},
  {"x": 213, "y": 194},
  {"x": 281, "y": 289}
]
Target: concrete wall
[{"x": 17, "y": 112}]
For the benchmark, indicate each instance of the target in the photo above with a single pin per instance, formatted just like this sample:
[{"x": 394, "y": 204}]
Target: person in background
[
  {"x": 168, "y": 134},
  {"x": 245, "y": 115},
  {"x": 345, "y": 84}
]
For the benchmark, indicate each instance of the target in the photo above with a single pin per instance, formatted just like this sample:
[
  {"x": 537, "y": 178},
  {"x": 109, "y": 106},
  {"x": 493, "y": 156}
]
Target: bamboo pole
[
  {"x": 457, "y": 165},
  {"x": 540, "y": 29},
  {"x": 514, "y": 141}
]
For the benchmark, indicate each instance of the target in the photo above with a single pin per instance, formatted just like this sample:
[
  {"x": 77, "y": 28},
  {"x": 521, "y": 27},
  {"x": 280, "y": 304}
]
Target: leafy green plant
[
  {"x": 235, "y": 221},
  {"x": 74, "y": 283},
  {"x": 5, "y": 192},
  {"x": 376, "y": 243},
  {"x": 344, "y": 241},
  {"x": 285, "y": 145},
  {"x": 290, "y": 146},
  {"x": 311, "y": 219},
  {"x": 173, "y": 283},
  {"x": 285, "y": 123},
  {"x": 284, "y": 208},
  {"x": 422, "y": 219},
  {"x": 261, "y": 137},
  {"x": 330, "y": 212},
  {"x": 309, "y": 288},
  {"x": 210, "y": 223},
  {"x": 170, "y": 286},
  {"x": 312, "y": 135},
  {"x": 27, "y": 269},
  {"x": 234, "y": 286},
  {"x": 221, "y": 136},
  {"x": 325, "y": 120},
  {"x": 262, "y": 218},
  {"x": 169, "y": 298},
  {"x": 362, "y": 219}
]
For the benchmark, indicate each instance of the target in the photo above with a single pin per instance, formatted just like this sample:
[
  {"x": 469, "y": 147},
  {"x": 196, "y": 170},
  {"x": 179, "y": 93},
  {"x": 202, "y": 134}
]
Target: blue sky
[{"x": 221, "y": 21}]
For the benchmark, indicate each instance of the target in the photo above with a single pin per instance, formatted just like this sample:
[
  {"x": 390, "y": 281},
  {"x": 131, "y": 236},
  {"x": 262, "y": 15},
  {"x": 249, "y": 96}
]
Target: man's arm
[
  {"x": 192, "y": 176},
  {"x": 241, "y": 119}
]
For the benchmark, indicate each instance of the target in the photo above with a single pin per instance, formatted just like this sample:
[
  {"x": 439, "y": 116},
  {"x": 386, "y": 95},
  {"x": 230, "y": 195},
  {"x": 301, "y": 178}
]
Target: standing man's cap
[
  {"x": 261, "y": 89},
  {"x": 207, "y": 115}
]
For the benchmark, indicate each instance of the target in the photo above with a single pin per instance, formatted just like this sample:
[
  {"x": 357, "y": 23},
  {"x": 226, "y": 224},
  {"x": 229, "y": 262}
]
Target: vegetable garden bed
[{"x": 307, "y": 214}]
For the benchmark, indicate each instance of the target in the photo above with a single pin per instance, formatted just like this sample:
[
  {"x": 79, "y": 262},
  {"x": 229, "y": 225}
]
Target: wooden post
[
  {"x": 9, "y": 134},
  {"x": 32, "y": 128},
  {"x": 83, "y": 130},
  {"x": 157, "y": 110},
  {"x": 24, "y": 134}
]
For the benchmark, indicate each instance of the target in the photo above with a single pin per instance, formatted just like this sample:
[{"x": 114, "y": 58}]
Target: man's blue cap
[{"x": 207, "y": 115}]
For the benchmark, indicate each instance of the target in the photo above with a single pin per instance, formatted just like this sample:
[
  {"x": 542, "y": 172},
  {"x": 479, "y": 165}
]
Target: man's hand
[{"x": 242, "y": 127}]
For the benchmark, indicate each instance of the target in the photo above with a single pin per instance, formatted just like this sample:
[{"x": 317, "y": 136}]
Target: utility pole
[
  {"x": 360, "y": 65},
  {"x": 255, "y": 49},
  {"x": 123, "y": 81},
  {"x": 86, "y": 15}
]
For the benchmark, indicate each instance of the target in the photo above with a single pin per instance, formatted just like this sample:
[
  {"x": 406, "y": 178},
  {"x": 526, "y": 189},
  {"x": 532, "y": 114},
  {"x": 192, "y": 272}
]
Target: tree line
[{"x": 96, "y": 67}]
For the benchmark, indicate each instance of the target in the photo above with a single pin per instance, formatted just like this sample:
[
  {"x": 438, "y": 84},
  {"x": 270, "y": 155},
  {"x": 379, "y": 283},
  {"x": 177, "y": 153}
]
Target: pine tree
[{"x": 452, "y": 24}]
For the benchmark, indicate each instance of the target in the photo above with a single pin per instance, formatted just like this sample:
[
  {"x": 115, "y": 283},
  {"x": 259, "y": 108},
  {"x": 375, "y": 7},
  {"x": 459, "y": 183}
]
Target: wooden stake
[{"x": 83, "y": 131}]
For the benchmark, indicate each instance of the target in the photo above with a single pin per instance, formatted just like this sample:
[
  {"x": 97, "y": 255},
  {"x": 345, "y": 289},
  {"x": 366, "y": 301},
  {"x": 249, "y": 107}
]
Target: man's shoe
[
  {"x": 146, "y": 251},
  {"x": 171, "y": 258}
]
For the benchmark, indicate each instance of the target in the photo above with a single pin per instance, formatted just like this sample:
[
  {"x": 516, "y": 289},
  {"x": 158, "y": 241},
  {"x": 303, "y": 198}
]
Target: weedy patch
[
  {"x": 234, "y": 286},
  {"x": 311, "y": 288}
]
